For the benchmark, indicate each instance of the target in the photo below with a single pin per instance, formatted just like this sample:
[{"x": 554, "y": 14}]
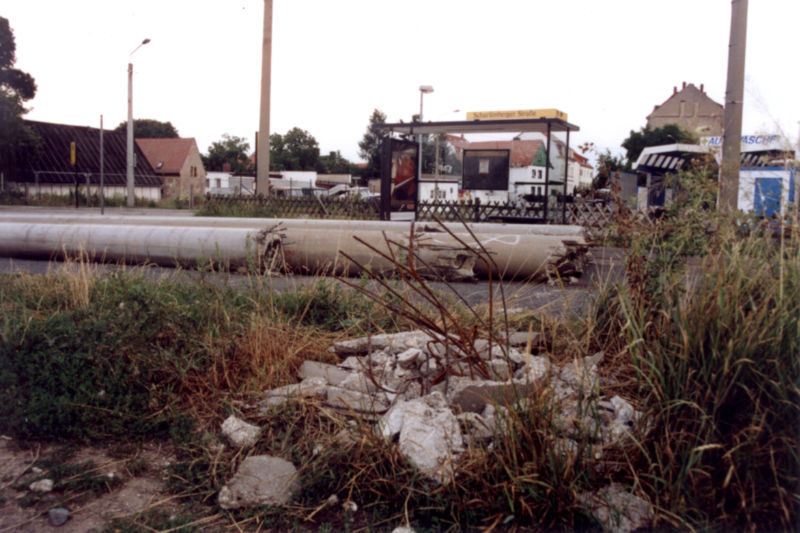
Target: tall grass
[{"x": 710, "y": 321}]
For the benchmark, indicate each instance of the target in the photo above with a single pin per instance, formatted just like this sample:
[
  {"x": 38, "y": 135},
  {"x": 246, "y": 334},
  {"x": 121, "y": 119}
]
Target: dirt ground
[{"x": 87, "y": 513}]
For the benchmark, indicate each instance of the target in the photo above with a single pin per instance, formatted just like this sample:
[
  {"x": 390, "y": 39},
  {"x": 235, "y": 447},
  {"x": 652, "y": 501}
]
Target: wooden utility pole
[
  {"x": 262, "y": 139},
  {"x": 734, "y": 98}
]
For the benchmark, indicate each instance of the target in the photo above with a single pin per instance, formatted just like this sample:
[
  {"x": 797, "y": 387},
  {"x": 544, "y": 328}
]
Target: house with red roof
[
  {"x": 527, "y": 165},
  {"x": 178, "y": 162}
]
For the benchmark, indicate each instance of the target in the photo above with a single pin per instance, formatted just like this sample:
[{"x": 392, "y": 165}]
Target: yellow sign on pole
[
  {"x": 72, "y": 153},
  {"x": 516, "y": 114}
]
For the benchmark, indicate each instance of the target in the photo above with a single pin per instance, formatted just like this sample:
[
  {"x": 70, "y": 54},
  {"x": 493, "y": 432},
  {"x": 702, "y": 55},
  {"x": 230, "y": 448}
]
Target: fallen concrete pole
[
  {"x": 255, "y": 223},
  {"x": 307, "y": 246},
  {"x": 161, "y": 245}
]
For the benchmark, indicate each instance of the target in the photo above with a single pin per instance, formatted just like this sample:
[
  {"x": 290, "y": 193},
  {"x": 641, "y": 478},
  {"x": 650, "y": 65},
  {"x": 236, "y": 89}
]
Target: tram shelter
[{"x": 480, "y": 169}]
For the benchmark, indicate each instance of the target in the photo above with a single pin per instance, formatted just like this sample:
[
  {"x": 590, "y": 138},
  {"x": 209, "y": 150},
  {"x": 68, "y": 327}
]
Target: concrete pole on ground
[
  {"x": 734, "y": 98},
  {"x": 262, "y": 139}
]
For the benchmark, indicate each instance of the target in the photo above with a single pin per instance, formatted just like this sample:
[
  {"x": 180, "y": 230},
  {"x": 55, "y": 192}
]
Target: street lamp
[
  {"x": 131, "y": 188},
  {"x": 423, "y": 89}
]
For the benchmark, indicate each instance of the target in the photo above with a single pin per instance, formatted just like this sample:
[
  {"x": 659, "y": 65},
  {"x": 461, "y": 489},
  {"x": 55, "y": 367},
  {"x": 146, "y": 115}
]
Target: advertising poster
[
  {"x": 399, "y": 176},
  {"x": 486, "y": 170}
]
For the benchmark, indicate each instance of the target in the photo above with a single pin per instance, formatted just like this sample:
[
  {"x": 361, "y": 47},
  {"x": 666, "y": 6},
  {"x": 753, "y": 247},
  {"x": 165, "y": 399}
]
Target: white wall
[
  {"x": 430, "y": 191},
  {"x": 63, "y": 189},
  {"x": 747, "y": 185}
]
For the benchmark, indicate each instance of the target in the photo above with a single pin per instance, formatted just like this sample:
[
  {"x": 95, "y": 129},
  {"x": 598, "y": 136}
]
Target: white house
[{"x": 438, "y": 189}]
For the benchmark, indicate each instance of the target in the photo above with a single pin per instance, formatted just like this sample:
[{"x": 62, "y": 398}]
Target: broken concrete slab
[
  {"x": 359, "y": 382},
  {"x": 41, "y": 485},
  {"x": 618, "y": 418},
  {"x": 239, "y": 433},
  {"x": 409, "y": 358},
  {"x": 396, "y": 342},
  {"x": 260, "y": 480},
  {"x": 361, "y": 402},
  {"x": 478, "y": 428},
  {"x": 535, "y": 369},
  {"x": 332, "y": 374},
  {"x": 313, "y": 387},
  {"x": 618, "y": 510},
  {"x": 580, "y": 377},
  {"x": 473, "y": 395},
  {"x": 519, "y": 339},
  {"x": 429, "y": 435}
]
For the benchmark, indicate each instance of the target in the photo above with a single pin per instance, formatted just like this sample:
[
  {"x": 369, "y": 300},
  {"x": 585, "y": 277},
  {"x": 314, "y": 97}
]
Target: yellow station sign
[{"x": 517, "y": 113}]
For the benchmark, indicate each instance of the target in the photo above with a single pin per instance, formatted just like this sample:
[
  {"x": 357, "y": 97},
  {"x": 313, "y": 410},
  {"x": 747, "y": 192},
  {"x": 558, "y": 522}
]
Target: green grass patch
[{"x": 121, "y": 356}]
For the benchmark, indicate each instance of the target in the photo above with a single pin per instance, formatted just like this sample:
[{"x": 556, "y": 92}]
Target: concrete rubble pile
[{"x": 434, "y": 401}]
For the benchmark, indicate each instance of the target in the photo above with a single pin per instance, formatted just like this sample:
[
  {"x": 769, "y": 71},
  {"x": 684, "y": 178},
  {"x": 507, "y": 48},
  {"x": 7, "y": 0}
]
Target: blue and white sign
[
  {"x": 752, "y": 143},
  {"x": 766, "y": 190}
]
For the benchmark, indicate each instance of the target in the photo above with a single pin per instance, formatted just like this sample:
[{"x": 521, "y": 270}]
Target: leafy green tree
[
  {"x": 297, "y": 150},
  {"x": 230, "y": 149},
  {"x": 278, "y": 157},
  {"x": 17, "y": 141},
  {"x": 607, "y": 164},
  {"x": 334, "y": 163},
  {"x": 639, "y": 140},
  {"x": 146, "y": 128},
  {"x": 369, "y": 148}
]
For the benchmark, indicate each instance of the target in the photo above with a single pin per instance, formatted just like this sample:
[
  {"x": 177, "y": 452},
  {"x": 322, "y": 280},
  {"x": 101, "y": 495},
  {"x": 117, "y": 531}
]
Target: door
[{"x": 767, "y": 196}]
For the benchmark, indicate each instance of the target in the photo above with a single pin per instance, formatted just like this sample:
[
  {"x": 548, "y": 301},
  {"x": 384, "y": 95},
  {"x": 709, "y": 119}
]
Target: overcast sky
[{"x": 604, "y": 63}]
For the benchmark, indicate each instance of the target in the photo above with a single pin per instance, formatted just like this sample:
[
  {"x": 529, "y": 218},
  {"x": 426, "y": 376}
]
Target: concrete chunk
[
  {"x": 397, "y": 342},
  {"x": 618, "y": 510},
  {"x": 350, "y": 399},
  {"x": 473, "y": 395},
  {"x": 239, "y": 433},
  {"x": 333, "y": 375},
  {"x": 260, "y": 480},
  {"x": 313, "y": 387}
]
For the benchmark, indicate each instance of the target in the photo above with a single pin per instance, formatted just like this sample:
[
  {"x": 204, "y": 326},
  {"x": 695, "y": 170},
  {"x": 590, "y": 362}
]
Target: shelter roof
[
  {"x": 669, "y": 157},
  {"x": 540, "y": 125}
]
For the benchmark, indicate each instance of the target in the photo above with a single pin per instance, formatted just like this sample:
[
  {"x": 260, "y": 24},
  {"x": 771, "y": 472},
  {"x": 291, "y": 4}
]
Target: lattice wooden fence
[
  {"x": 294, "y": 207},
  {"x": 593, "y": 216},
  {"x": 479, "y": 212}
]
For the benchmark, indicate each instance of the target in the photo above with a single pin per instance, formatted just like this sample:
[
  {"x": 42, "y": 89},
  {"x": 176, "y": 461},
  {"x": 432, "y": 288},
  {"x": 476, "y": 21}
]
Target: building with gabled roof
[
  {"x": 527, "y": 160},
  {"x": 50, "y": 170},
  {"x": 178, "y": 162},
  {"x": 691, "y": 109}
]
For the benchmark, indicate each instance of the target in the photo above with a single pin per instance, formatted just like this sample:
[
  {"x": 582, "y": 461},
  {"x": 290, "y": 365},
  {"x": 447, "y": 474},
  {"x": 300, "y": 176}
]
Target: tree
[
  {"x": 232, "y": 150},
  {"x": 146, "y": 128},
  {"x": 370, "y": 146},
  {"x": 607, "y": 164},
  {"x": 297, "y": 150},
  {"x": 639, "y": 140},
  {"x": 334, "y": 163},
  {"x": 17, "y": 141}
]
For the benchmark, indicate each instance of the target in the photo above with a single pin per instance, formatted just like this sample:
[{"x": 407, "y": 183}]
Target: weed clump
[{"x": 709, "y": 321}]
